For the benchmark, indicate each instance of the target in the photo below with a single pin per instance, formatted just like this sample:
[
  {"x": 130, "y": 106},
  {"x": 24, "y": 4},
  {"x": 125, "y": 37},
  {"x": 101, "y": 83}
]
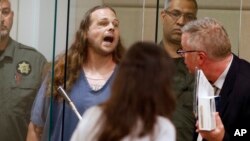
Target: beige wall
[
  {"x": 83, "y": 6},
  {"x": 130, "y": 13},
  {"x": 244, "y": 49}
]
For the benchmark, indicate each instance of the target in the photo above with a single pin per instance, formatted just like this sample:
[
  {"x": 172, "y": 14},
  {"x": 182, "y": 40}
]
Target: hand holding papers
[{"x": 206, "y": 104}]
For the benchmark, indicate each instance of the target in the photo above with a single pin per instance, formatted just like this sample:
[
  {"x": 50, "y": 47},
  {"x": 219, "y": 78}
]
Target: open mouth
[{"x": 109, "y": 39}]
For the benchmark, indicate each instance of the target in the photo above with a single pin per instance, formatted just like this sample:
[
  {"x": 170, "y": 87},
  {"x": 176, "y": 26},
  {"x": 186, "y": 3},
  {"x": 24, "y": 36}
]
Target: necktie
[
  {"x": 217, "y": 103},
  {"x": 216, "y": 98}
]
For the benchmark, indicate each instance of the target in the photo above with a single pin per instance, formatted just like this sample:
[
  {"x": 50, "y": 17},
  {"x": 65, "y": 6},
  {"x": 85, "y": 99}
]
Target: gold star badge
[{"x": 24, "y": 68}]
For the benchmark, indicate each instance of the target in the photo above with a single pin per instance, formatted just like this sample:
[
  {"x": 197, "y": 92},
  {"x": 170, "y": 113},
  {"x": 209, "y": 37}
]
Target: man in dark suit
[{"x": 206, "y": 45}]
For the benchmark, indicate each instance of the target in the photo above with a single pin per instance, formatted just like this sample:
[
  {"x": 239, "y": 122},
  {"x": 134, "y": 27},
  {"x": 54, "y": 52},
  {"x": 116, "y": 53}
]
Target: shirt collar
[
  {"x": 220, "y": 81},
  {"x": 9, "y": 51}
]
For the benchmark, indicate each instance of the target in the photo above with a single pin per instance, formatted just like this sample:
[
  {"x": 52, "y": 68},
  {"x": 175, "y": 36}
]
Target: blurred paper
[
  {"x": 206, "y": 113},
  {"x": 204, "y": 94}
]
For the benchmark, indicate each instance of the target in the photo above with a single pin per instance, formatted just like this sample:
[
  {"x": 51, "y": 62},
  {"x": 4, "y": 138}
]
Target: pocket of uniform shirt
[
  {"x": 26, "y": 82},
  {"x": 23, "y": 95}
]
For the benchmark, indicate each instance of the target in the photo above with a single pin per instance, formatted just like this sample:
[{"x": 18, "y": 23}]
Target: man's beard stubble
[{"x": 3, "y": 34}]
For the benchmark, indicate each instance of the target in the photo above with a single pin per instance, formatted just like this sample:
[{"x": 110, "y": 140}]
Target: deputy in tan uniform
[{"x": 20, "y": 77}]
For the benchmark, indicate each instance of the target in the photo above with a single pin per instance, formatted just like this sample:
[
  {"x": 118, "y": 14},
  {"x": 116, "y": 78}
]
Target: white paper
[
  {"x": 206, "y": 103},
  {"x": 206, "y": 113},
  {"x": 204, "y": 89}
]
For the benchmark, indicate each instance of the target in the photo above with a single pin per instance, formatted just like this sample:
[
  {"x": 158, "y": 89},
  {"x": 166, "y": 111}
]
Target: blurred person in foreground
[
  {"x": 206, "y": 45},
  {"x": 21, "y": 74},
  {"x": 141, "y": 101},
  {"x": 91, "y": 65},
  {"x": 174, "y": 16}
]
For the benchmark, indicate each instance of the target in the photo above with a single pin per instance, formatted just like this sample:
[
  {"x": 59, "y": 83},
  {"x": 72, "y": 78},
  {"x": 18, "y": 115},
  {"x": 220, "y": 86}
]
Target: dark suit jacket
[{"x": 235, "y": 100}]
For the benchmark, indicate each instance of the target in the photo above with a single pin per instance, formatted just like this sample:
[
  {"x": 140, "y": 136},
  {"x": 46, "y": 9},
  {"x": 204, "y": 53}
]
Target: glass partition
[
  {"x": 228, "y": 13},
  {"x": 74, "y": 11},
  {"x": 139, "y": 20},
  {"x": 50, "y": 27}
]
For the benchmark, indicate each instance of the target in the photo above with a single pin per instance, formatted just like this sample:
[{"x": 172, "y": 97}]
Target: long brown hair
[
  {"x": 141, "y": 90},
  {"x": 77, "y": 55}
]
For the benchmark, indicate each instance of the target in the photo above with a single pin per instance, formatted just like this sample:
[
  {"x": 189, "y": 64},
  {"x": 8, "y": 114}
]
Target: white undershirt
[{"x": 97, "y": 82}]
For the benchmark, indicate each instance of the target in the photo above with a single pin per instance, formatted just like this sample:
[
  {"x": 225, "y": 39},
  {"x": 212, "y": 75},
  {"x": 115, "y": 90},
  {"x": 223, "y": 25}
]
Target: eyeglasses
[
  {"x": 176, "y": 15},
  {"x": 182, "y": 52}
]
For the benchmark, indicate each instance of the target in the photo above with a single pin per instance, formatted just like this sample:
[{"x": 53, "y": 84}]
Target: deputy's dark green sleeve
[{"x": 183, "y": 117}]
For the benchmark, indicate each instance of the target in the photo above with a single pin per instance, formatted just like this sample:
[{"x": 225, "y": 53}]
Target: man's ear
[
  {"x": 163, "y": 15},
  {"x": 201, "y": 57}
]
